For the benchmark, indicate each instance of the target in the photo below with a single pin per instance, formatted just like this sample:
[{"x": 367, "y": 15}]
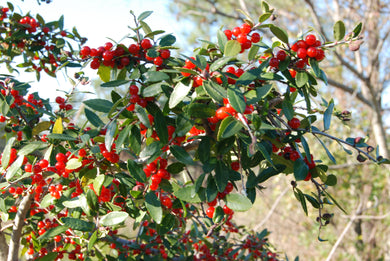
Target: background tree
[{"x": 364, "y": 68}]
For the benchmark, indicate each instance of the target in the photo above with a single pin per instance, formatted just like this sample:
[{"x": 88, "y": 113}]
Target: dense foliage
[{"x": 157, "y": 170}]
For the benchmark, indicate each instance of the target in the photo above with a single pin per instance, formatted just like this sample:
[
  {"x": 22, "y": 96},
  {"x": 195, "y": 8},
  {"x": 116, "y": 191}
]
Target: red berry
[
  {"x": 85, "y": 51},
  {"x": 95, "y": 64},
  {"x": 63, "y": 33},
  {"x": 235, "y": 165},
  {"x": 134, "y": 48},
  {"x": 165, "y": 53},
  {"x": 210, "y": 212},
  {"x": 302, "y": 44},
  {"x": 146, "y": 44},
  {"x": 293, "y": 73},
  {"x": 312, "y": 52},
  {"x": 167, "y": 202},
  {"x": 2, "y": 118},
  {"x": 320, "y": 55},
  {"x": 236, "y": 31},
  {"x": 294, "y": 47},
  {"x": 294, "y": 123},
  {"x": 158, "y": 61},
  {"x": 302, "y": 53},
  {"x": 281, "y": 55},
  {"x": 222, "y": 113},
  {"x": 108, "y": 46},
  {"x": 255, "y": 38},
  {"x": 245, "y": 28},
  {"x": 228, "y": 34},
  {"x": 274, "y": 62},
  {"x": 310, "y": 39},
  {"x": 227, "y": 210},
  {"x": 43, "y": 163},
  {"x": 241, "y": 38}
]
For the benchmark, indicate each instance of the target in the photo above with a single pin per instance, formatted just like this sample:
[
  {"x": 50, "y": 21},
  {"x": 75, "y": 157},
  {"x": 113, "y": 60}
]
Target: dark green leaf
[
  {"x": 328, "y": 115},
  {"x": 287, "y": 108},
  {"x": 269, "y": 172},
  {"x": 279, "y": 33},
  {"x": 152, "y": 151},
  {"x": 161, "y": 127},
  {"x": 183, "y": 125},
  {"x": 219, "y": 63},
  {"x": 216, "y": 92},
  {"x": 167, "y": 224},
  {"x": 167, "y": 40},
  {"x": 153, "y": 205},
  {"x": 190, "y": 195},
  {"x": 301, "y": 78},
  {"x": 301, "y": 199},
  {"x": 221, "y": 176},
  {"x": 236, "y": 99},
  {"x": 218, "y": 214},
  {"x": 238, "y": 202},
  {"x": 200, "y": 110},
  {"x": 331, "y": 180},
  {"x": 115, "y": 83},
  {"x": 100, "y": 105},
  {"x": 144, "y": 15},
  {"x": 110, "y": 134},
  {"x": 181, "y": 155},
  {"x": 56, "y": 136},
  {"x": 52, "y": 232},
  {"x": 7, "y": 152},
  {"x": 335, "y": 202},
  {"x": 314, "y": 65},
  {"x": 176, "y": 167},
  {"x": 301, "y": 170},
  {"x": 228, "y": 127},
  {"x": 78, "y": 224},
  {"x": 357, "y": 29},
  {"x": 339, "y": 30},
  {"x": 93, "y": 118},
  {"x": 136, "y": 171},
  {"x": 331, "y": 157},
  {"x": 204, "y": 151}
]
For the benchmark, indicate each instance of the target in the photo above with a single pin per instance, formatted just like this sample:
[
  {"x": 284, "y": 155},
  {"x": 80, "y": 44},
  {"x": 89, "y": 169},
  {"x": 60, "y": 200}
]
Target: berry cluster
[
  {"x": 62, "y": 104},
  {"x": 244, "y": 35}
]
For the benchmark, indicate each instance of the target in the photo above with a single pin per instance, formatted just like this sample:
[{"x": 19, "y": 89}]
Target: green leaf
[
  {"x": 219, "y": 214},
  {"x": 339, "y": 30},
  {"x": 306, "y": 147},
  {"x": 253, "y": 52},
  {"x": 219, "y": 63},
  {"x": 167, "y": 224},
  {"x": 328, "y": 115},
  {"x": 114, "y": 83},
  {"x": 14, "y": 168},
  {"x": 93, "y": 118},
  {"x": 56, "y": 136},
  {"x": 73, "y": 163},
  {"x": 221, "y": 176},
  {"x": 264, "y": 17},
  {"x": 200, "y": 110},
  {"x": 228, "y": 127},
  {"x": 100, "y": 105},
  {"x": 183, "y": 125},
  {"x": 98, "y": 183},
  {"x": 49, "y": 257},
  {"x": 222, "y": 39},
  {"x": 204, "y": 149},
  {"x": 215, "y": 91},
  {"x": 314, "y": 65},
  {"x": 110, "y": 134},
  {"x": 279, "y": 33},
  {"x": 181, "y": 155},
  {"x": 358, "y": 28},
  {"x": 331, "y": 157},
  {"x": 179, "y": 93},
  {"x": 287, "y": 108},
  {"x": 144, "y": 15},
  {"x": 113, "y": 218},
  {"x": 238, "y": 202},
  {"x": 232, "y": 48},
  {"x": 335, "y": 202},
  {"x": 152, "y": 90},
  {"x": 301, "y": 197},
  {"x": 136, "y": 171},
  {"x": 78, "y": 224},
  {"x": 92, "y": 240},
  {"x": 269, "y": 172},
  {"x": 6, "y": 153},
  {"x": 301, "y": 78},
  {"x": 153, "y": 205},
  {"x": 52, "y": 232},
  {"x": 257, "y": 95},
  {"x": 145, "y": 27},
  {"x": 313, "y": 201},
  {"x": 331, "y": 180},
  {"x": 236, "y": 99},
  {"x": 104, "y": 73},
  {"x": 161, "y": 127},
  {"x": 167, "y": 40},
  {"x": 152, "y": 76},
  {"x": 32, "y": 146},
  {"x": 142, "y": 115},
  {"x": 190, "y": 195},
  {"x": 300, "y": 170}
]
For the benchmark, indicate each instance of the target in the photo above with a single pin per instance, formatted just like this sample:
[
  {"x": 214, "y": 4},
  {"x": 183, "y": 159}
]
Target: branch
[
  {"x": 3, "y": 244},
  {"x": 350, "y": 90},
  {"x": 24, "y": 207}
]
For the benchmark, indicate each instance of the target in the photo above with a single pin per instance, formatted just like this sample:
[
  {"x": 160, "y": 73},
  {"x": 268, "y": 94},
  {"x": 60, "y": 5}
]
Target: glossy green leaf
[
  {"x": 14, "y": 168},
  {"x": 110, "y": 135},
  {"x": 219, "y": 214},
  {"x": 100, "y": 105},
  {"x": 114, "y": 218},
  {"x": 339, "y": 30},
  {"x": 300, "y": 170},
  {"x": 216, "y": 92},
  {"x": 228, "y": 127},
  {"x": 221, "y": 176},
  {"x": 238, "y": 202},
  {"x": 167, "y": 224},
  {"x": 301, "y": 78},
  {"x": 358, "y": 28},
  {"x": 189, "y": 194},
  {"x": 49, "y": 257},
  {"x": 179, "y": 93},
  {"x": 328, "y": 115},
  {"x": 78, "y": 224},
  {"x": 268, "y": 173},
  {"x": 114, "y": 83},
  {"x": 93, "y": 118},
  {"x": 314, "y": 65},
  {"x": 152, "y": 90},
  {"x": 280, "y": 33},
  {"x": 92, "y": 200},
  {"x": 181, "y": 154},
  {"x": 219, "y": 63},
  {"x": 136, "y": 171},
  {"x": 153, "y": 205},
  {"x": 167, "y": 40},
  {"x": 200, "y": 110},
  {"x": 236, "y": 99},
  {"x": 153, "y": 76},
  {"x": 52, "y": 232},
  {"x": 300, "y": 196},
  {"x": 73, "y": 163},
  {"x": 142, "y": 115},
  {"x": 287, "y": 108},
  {"x": 7, "y": 152},
  {"x": 98, "y": 183},
  {"x": 232, "y": 48}
]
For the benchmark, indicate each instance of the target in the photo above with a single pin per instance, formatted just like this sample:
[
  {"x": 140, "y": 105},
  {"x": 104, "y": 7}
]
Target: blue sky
[{"x": 97, "y": 20}]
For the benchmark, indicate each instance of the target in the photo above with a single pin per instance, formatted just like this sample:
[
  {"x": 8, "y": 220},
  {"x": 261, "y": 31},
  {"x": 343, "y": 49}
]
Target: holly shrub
[{"x": 157, "y": 171}]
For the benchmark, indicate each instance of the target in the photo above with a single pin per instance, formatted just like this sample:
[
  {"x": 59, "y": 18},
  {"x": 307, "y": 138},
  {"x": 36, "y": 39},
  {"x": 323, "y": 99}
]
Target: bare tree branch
[{"x": 350, "y": 90}]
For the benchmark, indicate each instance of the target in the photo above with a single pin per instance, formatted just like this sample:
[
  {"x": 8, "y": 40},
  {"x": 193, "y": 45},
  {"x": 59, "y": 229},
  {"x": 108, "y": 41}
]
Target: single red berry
[
  {"x": 95, "y": 64},
  {"x": 245, "y": 28},
  {"x": 2, "y": 118},
  {"x": 294, "y": 47},
  {"x": 108, "y": 55},
  {"x": 210, "y": 212},
  {"x": 165, "y": 53},
  {"x": 235, "y": 165},
  {"x": 310, "y": 39},
  {"x": 236, "y": 31},
  {"x": 227, "y": 210},
  {"x": 134, "y": 48},
  {"x": 146, "y": 44},
  {"x": 228, "y": 34},
  {"x": 158, "y": 61},
  {"x": 294, "y": 123},
  {"x": 241, "y": 38},
  {"x": 281, "y": 55},
  {"x": 222, "y": 113},
  {"x": 108, "y": 46},
  {"x": 302, "y": 53},
  {"x": 274, "y": 62},
  {"x": 255, "y": 38},
  {"x": 312, "y": 52},
  {"x": 320, "y": 55},
  {"x": 85, "y": 51},
  {"x": 63, "y": 33},
  {"x": 302, "y": 44},
  {"x": 293, "y": 73},
  {"x": 167, "y": 202},
  {"x": 43, "y": 163}
]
